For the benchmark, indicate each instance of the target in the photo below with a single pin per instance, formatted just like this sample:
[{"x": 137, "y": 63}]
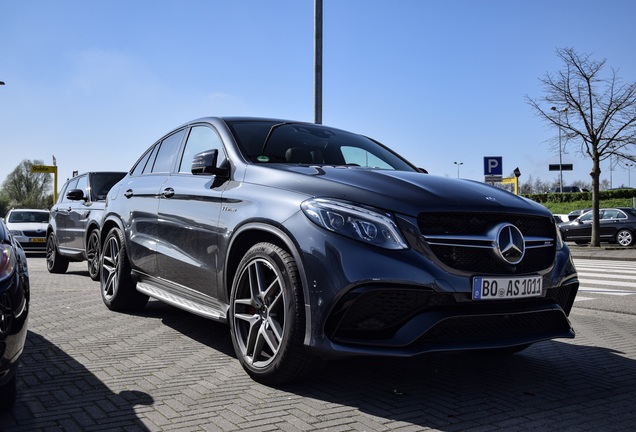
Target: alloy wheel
[
  {"x": 259, "y": 313},
  {"x": 109, "y": 266}
]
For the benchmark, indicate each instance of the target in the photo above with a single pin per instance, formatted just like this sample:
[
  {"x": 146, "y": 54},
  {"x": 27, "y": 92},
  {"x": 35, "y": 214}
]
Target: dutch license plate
[
  {"x": 502, "y": 288},
  {"x": 38, "y": 240}
]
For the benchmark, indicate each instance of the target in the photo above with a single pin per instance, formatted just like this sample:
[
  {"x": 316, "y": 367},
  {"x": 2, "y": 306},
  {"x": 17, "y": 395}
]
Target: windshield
[
  {"x": 309, "y": 144},
  {"x": 28, "y": 216},
  {"x": 102, "y": 182}
]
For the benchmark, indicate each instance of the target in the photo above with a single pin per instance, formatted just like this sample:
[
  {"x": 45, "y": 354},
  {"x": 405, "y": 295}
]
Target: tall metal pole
[
  {"x": 318, "y": 61},
  {"x": 559, "y": 111},
  {"x": 458, "y": 164}
]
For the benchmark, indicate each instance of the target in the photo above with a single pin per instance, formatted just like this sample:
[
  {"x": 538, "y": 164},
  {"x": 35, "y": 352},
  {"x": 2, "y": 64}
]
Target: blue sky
[{"x": 97, "y": 82}]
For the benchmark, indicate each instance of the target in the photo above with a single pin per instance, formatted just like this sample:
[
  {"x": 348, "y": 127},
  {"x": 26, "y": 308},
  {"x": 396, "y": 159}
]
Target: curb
[{"x": 604, "y": 253}]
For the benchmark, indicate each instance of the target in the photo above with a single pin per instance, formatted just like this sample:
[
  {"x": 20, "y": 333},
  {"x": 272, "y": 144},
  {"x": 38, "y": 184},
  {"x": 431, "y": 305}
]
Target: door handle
[
  {"x": 168, "y": 192},
  {"x": 128, "y": 193}
]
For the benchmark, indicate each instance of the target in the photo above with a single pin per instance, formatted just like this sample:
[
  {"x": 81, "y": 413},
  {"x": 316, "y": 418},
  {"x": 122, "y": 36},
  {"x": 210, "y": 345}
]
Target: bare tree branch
[{"x": 597, "y": 110}]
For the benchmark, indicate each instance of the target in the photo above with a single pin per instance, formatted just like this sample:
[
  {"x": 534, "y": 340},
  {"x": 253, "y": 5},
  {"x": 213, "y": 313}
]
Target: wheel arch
[
  {"x": 256, "y": 232},
  {"x": 93, "y": 225},
  {"x": 108, "y": 224}
]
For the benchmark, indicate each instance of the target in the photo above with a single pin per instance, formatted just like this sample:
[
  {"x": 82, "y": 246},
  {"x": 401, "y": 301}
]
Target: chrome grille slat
[{"x": 463, "y": 241}]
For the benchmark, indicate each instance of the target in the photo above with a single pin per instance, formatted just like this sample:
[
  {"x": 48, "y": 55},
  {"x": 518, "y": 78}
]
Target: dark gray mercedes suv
[{"x": 315, "y": 243}]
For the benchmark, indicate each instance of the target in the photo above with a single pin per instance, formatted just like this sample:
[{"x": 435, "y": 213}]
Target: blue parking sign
[{"x": 493, "y": 165}]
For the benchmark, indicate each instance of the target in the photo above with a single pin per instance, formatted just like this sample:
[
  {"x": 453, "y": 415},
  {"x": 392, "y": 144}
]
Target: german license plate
[
  {"x": 502, "y": 288},
  {"x": 38, "y": 240}
]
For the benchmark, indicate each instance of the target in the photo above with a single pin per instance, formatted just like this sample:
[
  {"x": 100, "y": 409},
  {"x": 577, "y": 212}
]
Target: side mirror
[
  {"x": 75, "y": 195},
  {"x": 205, "y": 163}
]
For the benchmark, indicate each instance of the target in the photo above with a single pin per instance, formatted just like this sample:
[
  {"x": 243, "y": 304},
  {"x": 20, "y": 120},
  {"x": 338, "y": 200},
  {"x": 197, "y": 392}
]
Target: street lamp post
[
  {"x": 458, "y": 164},
  {"x": 629, "y": 173},
  {"x": 559, "y": 111}
]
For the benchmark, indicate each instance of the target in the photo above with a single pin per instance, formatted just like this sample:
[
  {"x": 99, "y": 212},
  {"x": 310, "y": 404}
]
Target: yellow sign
[
  {"x": 52, "y": 169},
  {"x": 512, "y": 180},
  {"x": 44, "y": 169}
]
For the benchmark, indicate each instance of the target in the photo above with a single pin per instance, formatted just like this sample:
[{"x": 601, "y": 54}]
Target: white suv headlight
[{"x": 356, "y": 222}]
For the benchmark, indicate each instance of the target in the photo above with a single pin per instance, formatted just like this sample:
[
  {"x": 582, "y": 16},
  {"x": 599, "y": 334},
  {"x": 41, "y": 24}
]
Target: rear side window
[
  {"x": 144, "y": 165},
  {"x": 167, "y": 153}
]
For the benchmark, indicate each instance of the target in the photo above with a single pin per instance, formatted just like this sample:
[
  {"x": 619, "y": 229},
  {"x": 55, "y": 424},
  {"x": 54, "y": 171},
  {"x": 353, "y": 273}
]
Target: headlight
[
  {"x": 355, "y": 222},
  {"x": 7, "y": 261},
  {"x": 16, "y": 232}
]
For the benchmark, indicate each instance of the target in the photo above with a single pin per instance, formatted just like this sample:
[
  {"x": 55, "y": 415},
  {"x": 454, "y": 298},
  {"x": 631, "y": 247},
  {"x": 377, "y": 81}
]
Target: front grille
[
  {"x": 379, "y": 312},
  {"x": 490, "y": 328},
  {"x": 463, "y": 241},
  {"x": 479, "y": 223},
  {"x": 368, "y": 315},
  {"x": 34, "y": 233},
  {"x": 484, "y": 261}
]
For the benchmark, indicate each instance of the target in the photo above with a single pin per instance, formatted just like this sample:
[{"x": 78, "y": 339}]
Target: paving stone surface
[{"x": 88, "y": 369}]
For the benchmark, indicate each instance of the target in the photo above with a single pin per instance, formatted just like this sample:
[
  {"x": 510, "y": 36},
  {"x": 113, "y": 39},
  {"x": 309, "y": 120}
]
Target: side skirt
[{"x": 185, "y": 298}]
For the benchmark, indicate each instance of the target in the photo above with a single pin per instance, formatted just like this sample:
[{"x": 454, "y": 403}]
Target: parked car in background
[
  {"x": 576, "y": 213},
  {"x": 617, "y": 225},
  {"x": 313, "y": 243},
  {"x": 567, "y": 189},
  {"x": 560, "y": 217},
  {"x": 73, "y": 227},
  {"x": 14, "y": 312},
  {"x": 28, "y": 226}
]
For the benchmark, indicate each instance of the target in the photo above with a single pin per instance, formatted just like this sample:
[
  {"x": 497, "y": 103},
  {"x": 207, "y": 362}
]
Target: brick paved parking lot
[{"x": 88, "y": 369}]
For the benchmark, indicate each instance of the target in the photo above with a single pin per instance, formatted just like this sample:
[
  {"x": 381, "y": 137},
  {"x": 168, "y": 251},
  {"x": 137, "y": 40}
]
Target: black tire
[
  {"x": 55, "y": 263},
  {"x": 8, "y": 394},
  {"x": 116, "y": 283},
  {"x": 267, "y": 319},
  {"x": 625, "y": 237},
  {"x": 92, "y": 255}
]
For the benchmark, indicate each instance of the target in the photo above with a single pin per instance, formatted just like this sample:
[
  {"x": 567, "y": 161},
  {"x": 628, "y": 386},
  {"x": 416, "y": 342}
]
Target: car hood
[{"x": 398, "y": 191}]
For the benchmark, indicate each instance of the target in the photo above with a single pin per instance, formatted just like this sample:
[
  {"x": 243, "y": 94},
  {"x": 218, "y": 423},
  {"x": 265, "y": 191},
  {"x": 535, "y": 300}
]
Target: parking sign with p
[{"x": 493, "y": 166}]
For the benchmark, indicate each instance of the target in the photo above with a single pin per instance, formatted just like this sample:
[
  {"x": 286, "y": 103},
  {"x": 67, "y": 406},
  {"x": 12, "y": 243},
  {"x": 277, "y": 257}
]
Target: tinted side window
[
  {"x": 141, "y": 164},
  {"x": 70, "y": 186},
  {"x": 101, "y": 183},
  {"x": 167, "y": 153},
  {"x": 201, "y": 138},
  {"x": 82, "y": 183}
]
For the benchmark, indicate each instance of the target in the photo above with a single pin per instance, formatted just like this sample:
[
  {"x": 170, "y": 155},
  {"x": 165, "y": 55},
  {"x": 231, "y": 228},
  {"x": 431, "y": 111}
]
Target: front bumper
[{"x": 363, "y": 300}]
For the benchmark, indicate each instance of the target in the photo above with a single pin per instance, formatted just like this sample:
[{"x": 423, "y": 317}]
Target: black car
[
  {"x": 14, "y": 312},
  {"x": 315, "y": 243},
  {"x": 73, "y": 229},
  {"x": 616, "y": 225}
]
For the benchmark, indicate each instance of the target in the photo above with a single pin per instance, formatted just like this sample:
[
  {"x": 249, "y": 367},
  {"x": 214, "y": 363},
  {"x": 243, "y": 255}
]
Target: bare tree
[
  {"x": 26, "y": 189},
  {"x": 598, "y": 111}
]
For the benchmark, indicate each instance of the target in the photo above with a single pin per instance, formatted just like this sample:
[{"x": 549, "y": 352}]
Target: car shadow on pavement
[
  {"x": 55, "y": 391},
  {"x": 549, "y": 386}
]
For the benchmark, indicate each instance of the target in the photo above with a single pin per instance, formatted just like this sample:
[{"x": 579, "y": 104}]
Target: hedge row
[{"x": 581, "y": 196}]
